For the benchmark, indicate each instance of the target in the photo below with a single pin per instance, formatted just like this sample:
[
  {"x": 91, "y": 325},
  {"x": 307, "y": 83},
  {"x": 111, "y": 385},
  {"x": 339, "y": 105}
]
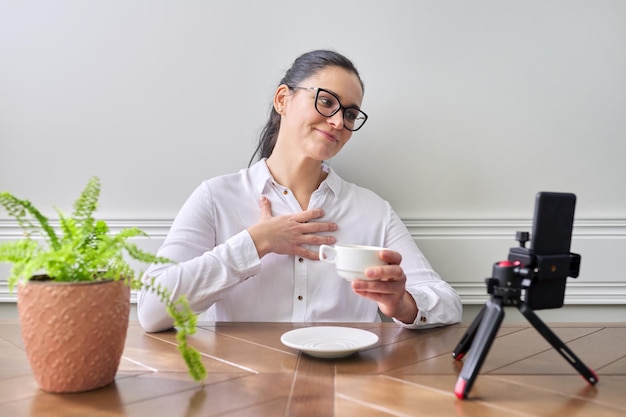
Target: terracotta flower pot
[{"x": 74, "y": 333}]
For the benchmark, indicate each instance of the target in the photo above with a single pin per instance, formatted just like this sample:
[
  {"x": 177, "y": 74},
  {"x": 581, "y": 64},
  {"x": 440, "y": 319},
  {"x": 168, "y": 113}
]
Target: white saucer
[{"x": 329, "y": 341}]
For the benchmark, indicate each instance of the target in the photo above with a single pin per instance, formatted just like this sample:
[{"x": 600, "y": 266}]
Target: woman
[{"x": 246, "y": 244}]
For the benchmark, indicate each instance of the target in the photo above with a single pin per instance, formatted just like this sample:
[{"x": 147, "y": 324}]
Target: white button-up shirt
[{"x": 218, "y": 268}]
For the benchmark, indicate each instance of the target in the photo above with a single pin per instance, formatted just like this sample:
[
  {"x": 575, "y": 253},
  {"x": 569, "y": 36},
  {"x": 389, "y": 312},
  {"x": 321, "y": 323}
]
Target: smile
[{"x": 328, "y": 135}]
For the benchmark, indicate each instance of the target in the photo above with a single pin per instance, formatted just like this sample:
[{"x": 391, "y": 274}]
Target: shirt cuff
[
  {"x": 247, "y": 258},
  {"x": 425, "y": 303}
]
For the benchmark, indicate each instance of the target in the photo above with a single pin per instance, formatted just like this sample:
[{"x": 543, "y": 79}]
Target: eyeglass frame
[{"x": 341, "y": 106}]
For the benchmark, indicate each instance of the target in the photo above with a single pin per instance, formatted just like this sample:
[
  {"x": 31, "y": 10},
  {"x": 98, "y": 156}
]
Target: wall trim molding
[
  {"x": 459, "y": 227},
  {"x": 476, "y": 228},
  {"x": 578, "y": 293}
]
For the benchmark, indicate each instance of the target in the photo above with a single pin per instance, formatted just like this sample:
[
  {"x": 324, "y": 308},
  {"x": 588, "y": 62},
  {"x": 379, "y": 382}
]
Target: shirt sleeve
[
  {"x": 200, "y": 270},
  {"x": 437, "y": 302}
]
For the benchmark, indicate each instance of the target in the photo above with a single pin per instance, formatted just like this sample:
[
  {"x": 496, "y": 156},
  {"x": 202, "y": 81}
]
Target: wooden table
[{"x": 407, "y": 373}]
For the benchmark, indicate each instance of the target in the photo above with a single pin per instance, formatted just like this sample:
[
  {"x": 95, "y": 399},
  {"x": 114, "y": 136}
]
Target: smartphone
[
  {"x": 549, "y": 253},
  {"x": 553, "y": 223}
]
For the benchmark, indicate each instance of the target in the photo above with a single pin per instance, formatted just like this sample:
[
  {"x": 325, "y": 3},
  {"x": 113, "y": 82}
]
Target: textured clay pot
[{"x": 73, "y": 333}]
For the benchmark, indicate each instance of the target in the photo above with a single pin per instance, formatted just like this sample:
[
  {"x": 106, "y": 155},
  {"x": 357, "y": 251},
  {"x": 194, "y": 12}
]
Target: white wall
[{"x": 474, "y": 107}]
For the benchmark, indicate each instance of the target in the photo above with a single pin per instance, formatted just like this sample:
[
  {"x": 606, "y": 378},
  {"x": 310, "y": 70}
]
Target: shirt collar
[
  {"x": 333, "y": 180},
  {"x": 262, "y": 177},
  {"x": 260, "y": 174}
]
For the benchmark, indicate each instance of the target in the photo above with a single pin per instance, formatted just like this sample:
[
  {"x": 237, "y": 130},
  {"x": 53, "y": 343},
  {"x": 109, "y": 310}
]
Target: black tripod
[{"x": 506, "y": 286}]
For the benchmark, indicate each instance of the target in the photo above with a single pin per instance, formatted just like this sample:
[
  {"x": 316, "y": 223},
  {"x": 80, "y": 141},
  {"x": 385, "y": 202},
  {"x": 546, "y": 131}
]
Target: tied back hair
[{"x": 305, "y": 66}]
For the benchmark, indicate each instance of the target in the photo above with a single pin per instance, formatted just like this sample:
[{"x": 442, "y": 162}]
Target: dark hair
[{"x": 305, "y": 66}]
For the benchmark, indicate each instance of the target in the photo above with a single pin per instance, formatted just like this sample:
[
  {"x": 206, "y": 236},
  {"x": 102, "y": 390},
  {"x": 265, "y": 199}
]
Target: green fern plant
[{"x": 83, "y": 249}]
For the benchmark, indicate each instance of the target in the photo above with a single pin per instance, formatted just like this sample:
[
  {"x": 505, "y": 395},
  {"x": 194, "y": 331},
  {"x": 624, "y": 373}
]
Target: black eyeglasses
[{"x": 327, "y": 104}]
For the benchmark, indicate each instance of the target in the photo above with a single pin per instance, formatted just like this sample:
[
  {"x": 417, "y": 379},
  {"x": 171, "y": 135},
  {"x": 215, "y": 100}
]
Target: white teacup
[{"x": 351, "y": 261}]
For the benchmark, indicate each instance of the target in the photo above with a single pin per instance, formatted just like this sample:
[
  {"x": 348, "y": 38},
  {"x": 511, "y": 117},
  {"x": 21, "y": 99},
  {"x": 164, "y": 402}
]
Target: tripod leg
[
  {"x": 557, "y": 344},
  {"x": 491, "y": 320},
  {"x": 466, "y": 341}
]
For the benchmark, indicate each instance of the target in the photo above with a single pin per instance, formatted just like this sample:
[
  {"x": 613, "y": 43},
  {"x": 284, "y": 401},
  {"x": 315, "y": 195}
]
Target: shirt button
[
  {"x": 285, "y": 192},
  {"x": 300, "y": 297},
  {"x": 423, "y": 319},
  {"x": 300, "y": 260}
]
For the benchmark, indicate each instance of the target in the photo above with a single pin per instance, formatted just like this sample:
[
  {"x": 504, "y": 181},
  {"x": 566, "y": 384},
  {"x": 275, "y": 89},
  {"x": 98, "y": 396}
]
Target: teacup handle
[{"x": 324, "y": 252}]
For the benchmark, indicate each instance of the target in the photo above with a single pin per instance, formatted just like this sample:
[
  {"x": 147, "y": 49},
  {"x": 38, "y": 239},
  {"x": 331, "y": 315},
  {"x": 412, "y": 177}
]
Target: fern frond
[
  {"x": 185, "y": 321},
  {"x": 19, "y": 209},
  {"x": 87, "y": 203},
  {"x": 146, "y": 257},
  {"x": 68, "y": 226},
  {"x": 14, "y": 253}
]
